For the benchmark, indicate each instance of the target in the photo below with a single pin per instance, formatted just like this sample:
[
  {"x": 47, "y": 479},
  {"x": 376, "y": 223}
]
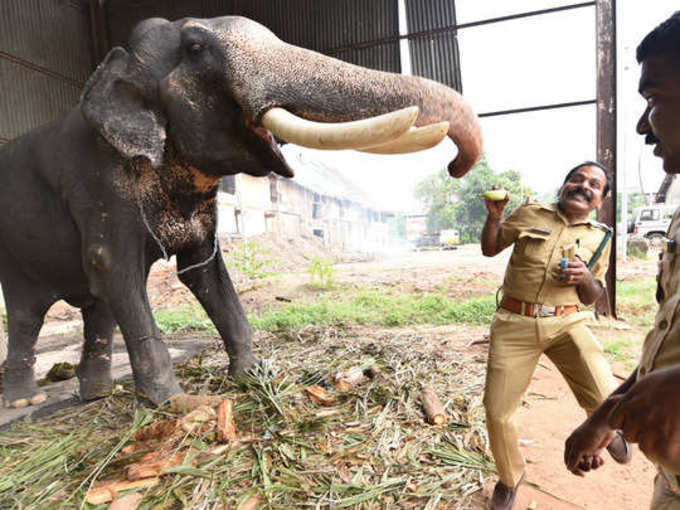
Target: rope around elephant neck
[
  {"x": 165, "y": 252},
  {"x": 204, "y": 263},
  {"x": 150, "y": 230}
]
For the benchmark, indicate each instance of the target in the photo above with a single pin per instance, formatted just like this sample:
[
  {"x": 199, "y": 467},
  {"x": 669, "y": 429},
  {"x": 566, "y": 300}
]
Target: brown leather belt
[{"x": 534, "y": 309}]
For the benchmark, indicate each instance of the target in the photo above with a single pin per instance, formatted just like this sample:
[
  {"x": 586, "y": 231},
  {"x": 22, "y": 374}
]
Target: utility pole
[
  {"x": 3, "y": 337},
  {"x": 605, "y": 14}
]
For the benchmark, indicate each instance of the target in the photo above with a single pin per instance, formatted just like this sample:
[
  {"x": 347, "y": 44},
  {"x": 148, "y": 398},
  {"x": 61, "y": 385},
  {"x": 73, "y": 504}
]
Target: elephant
[{"x": 131, "y": 174}]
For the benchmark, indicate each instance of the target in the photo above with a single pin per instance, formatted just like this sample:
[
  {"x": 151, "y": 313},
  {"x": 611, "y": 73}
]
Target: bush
[
  {"x": 251, "y": 260},
  {"x": 637, "y": 247},
  {"x": 321, "y": 273}
]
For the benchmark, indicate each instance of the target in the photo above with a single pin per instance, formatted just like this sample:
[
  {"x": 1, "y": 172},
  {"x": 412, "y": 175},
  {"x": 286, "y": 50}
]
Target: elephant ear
[{"x": 113, "y": 103}]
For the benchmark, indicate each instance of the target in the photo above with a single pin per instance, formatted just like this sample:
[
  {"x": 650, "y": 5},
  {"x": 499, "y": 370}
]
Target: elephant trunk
[{"x": 320, "y": 88}]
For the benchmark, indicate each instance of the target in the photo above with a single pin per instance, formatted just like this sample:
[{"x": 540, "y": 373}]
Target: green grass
[
  {"x": 375, "y": 308},
  {"x": 368, "y": 307},
  {"x": 186, "y": 318},
  {"x": 383, "y": 308},
  {"x": 623, "y": 348},
  {"x": 635, "y": 301}
]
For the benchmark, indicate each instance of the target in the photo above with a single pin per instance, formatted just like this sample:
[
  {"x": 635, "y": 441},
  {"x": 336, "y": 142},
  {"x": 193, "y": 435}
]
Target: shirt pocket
[
  {"x": 584, "y": 253},
  {"x": 533, "y": 246}
]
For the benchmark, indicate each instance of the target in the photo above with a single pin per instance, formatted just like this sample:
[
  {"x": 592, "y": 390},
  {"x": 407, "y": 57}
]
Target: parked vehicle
[
  {"x": 449, "y": 239},
  {"x": 652, "y": 222}
]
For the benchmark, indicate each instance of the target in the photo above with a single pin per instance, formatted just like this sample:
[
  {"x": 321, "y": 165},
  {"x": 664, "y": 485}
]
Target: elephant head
[{"x": 216, "y": 90}]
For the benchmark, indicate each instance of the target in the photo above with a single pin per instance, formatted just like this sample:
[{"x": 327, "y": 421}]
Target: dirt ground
[{"x": 549, "y": 411}]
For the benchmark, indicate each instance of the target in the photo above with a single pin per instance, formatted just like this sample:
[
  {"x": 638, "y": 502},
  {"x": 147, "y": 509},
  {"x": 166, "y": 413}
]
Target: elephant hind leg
[
  {"x": 26, "y": 309},
  {"x": 94, "y": 370}
]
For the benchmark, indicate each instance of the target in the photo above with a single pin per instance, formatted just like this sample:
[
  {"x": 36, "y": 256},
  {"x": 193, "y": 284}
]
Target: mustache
[
  {"x": 580, "y": 191},
  {"x": 650, "y": 139}
]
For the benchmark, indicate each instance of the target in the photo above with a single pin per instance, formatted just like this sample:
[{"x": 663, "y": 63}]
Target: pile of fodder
[{"x": 333, "y": 418}]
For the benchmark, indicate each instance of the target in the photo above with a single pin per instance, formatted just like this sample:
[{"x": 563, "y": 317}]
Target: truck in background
[
  {"x": 447, "y": 239},
  {"x": 652, "y": 222}
]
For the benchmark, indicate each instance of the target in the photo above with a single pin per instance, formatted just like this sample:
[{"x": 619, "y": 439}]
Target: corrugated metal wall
[
  {"x": 345, "y": 29},
  {"x": 45, "y": 58},
  {"x": 46, "y": 47},
  {"x": 434, "y": 51}
]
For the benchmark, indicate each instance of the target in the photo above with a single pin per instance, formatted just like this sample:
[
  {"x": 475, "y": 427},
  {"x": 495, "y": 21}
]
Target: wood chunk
[
  {"x": 184, "y": 403},
  {"x": 100, "y": 495},
  {"x": 106, "y": 491},
  {"x": 136, "y": 447},
  {"x": 348, "y": 378},
  {"x": 156, "y": 430},
  {"x": 193, "y": 421},
  {"x": 128, "y": 449},
  {"x": 433, "y": 407},
  {"x": 320, "y": 395},
  {"x": 127, "y": 502},
  {"x": 149, "y": 456},
  {"x": 226, "y": 429},
  {"x": 140, "y": 470},
  {"x": 251, "y": 503}
]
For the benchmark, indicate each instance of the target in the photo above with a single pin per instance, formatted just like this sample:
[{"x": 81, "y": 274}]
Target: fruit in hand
[{"x": 494, "y": 194}]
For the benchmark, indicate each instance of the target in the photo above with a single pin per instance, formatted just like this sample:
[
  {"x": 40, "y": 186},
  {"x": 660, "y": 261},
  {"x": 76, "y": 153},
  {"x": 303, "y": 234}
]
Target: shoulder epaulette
[
  {"x": 543, "y": 205},
  {"x": 601, "y": 226}
]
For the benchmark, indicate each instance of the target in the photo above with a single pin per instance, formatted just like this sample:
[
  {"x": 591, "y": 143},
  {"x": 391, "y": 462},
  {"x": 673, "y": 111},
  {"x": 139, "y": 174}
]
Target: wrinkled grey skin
[{"x": 87, "y": 202}]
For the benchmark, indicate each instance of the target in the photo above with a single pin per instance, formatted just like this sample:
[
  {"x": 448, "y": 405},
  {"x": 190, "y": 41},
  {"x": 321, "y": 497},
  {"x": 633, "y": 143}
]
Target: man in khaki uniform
[
  {"x": 646, "y": 406},
  {"x": 539, "y": 312}
]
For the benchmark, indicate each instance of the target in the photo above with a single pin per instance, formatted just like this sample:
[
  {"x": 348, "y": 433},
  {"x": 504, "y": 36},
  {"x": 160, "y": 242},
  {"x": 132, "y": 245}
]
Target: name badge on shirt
[{"x": 541, "y": 230}]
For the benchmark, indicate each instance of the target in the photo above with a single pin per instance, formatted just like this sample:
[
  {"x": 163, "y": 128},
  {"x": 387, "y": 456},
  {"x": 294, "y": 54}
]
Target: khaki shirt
[
  {"x": 662, "y": 344},
  {"x": 539, "y": 232}
]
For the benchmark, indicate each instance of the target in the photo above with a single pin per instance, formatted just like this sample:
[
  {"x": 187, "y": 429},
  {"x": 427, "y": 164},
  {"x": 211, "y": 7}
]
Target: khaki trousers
[
  {"x": 516, "y": 344},
  {"x": 665, "y": 497}
]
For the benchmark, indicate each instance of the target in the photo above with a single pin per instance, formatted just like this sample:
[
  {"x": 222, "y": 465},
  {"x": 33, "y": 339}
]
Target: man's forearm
[
  {"x": 603, "y": 411},
  {"x": 490, "y": 236},
  {"x": 627, "y": 384},
  {"x": 589, "y": 291}
]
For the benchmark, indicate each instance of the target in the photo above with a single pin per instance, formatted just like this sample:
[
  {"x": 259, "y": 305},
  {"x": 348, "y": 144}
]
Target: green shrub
[
  {"x": 321, "y": 273},
  {"x": 251, "y": 260}
]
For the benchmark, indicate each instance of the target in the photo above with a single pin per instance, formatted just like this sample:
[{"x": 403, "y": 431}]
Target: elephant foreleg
[
  {"x": 211, "y": 285},
  {"x": 117, "y": 277},
  {"x": 94, "y": 370},
  {"x": 24, "y": 320}
]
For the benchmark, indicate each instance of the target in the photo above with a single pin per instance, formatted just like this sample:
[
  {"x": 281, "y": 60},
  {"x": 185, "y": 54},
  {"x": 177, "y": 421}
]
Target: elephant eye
[{"x": 195, "y": 48}]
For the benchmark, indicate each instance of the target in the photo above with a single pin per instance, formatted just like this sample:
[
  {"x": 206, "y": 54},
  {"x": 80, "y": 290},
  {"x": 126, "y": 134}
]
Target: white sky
[{"x": 528, "y": 62}]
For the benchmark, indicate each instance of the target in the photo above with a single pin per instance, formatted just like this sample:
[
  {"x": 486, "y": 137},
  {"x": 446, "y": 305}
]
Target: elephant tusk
[
  {"x": 414, "y": 140},
  {"x": 341, "y": 135}
]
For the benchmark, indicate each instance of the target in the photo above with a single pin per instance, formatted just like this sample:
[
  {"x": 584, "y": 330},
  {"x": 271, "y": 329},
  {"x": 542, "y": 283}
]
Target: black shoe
[
  {"x": 620, "y": 449},
  {"x": 504, "y": 497}
]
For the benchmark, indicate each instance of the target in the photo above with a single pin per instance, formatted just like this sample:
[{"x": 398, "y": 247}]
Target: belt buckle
[{"x": 544, "y": 311}]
